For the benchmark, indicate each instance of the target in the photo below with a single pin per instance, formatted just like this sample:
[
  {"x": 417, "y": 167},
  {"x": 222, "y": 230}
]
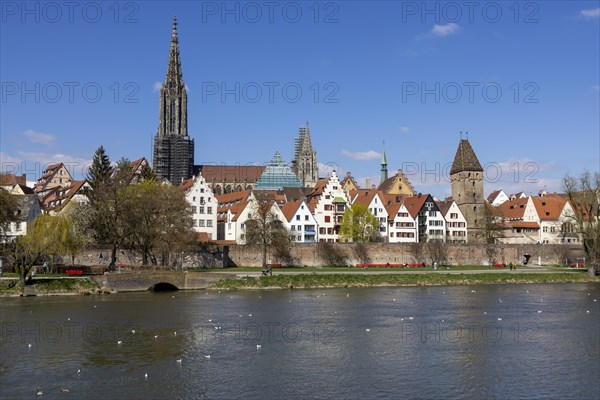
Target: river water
[{"x": 475, "y": 342}]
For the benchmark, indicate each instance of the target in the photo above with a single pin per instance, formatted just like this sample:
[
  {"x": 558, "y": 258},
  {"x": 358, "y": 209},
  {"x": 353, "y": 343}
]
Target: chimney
[{"x": 368, "y": 183}]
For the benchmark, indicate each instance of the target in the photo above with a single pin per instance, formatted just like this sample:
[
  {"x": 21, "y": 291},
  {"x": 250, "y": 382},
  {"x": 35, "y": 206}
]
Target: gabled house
[
  {"x": 349, "y": 183},
  {"x": 229, "y": 208},
  {"x": 375, "y": 201},
  {"x": 397, "y": 185},
  {"x": 431, "y": 225},
  {"x": 59, "y": 197},
  {"x": 328, "y": 202},
  {"x": 497, "y": 197},
  {"x": 456, "y": 223},
  {"x": 9, "y": 181},
  {"x": 137, "y": 167},
  {"x": 28, "y": 208},
  {"x": 203, "y": 205},
  {"x": 555, "y": 215},
  {"x": 301, "y": 224},
  {"x": 519, "y": 219},
  {"x": 55, "y": 175},
  {"x": 402, "y": 226}
]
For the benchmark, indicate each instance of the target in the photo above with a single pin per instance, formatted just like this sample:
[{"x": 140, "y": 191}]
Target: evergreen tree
[
  {"x": 100, "y": 170},
  {"x": 147, "y": 174}
]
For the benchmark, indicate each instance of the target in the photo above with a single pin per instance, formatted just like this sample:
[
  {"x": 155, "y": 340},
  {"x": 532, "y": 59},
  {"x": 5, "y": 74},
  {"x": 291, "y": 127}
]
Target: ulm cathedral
[{"x": 173, "y": 154}]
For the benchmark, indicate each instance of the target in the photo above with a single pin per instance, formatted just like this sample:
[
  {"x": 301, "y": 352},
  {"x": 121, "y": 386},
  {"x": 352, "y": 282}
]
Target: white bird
[
  {"x": 485, "y": 313},
  {"x": 393, "y": 299},
  {"x": 78, "y": 371},
  {"x": 172, "y": 297},
  {"x": 368, "y": 330},
  {"x": 251, "y": 314},
  {"x": 119, "y": 342},
  {"x": 240, "y": 315},
  {"x": 588, "y": 311},
  {"x": 347, "y": 294},
  {"x": 133, "y": 331},
  {"x": 499, "y": 300},
  {"x": 179, "y": 361},
  {"x": 411, "y": 318},
  {"x": 258, "y": 346},
  {"x": 64, "y": 390},
  {"x": 539, "y": 311},
  {"x": 595, "y": 300},
  {"x": 499, "y": 319},
  {"x": 528, "y": 291},
  {"x": 39, "y": 392},
  {"x": 95, "y": 306},
  {"x": 175, "y": 333},
  {"x": 210, "y": 320},
  {"x": 146, "y": 376},
  {"x": 472, "y": 291},
  {"x": 207, "y": 356},
  {"x": 29, "y": 345},
  {"x": 155, "y": 336},
  {"x": 68, "y": 319}
]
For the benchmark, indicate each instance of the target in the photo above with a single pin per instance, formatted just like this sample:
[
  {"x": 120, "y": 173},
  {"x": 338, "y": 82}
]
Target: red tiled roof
[
  {"x": 549, "y": 207},
  {"x": 493, "y": 195},
  {"x": 513, "y": 209},
  {"x": 290, "y": 208},
  {"x": 392, "y": 209},
  {"x": 12, "y": 179},
  {"x": 230, "y": 173},
  {"x": 522, "y": 224},
  {"x": 414, "y": 204}
]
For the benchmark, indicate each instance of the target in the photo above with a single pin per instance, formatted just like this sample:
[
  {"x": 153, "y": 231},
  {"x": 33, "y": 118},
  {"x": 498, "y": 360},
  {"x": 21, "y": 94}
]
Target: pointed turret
[
  {"x": 465, "y": 158},
  {"x": 305, "y": 158},
  {"x": 384, "y": 171}
]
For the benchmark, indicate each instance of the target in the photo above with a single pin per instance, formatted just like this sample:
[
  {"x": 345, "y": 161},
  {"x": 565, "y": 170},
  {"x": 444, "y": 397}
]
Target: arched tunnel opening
[{"x": 163, "y": 287}]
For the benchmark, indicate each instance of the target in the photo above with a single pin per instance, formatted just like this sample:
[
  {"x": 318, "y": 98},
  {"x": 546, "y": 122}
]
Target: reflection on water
[{"x": 505, "y": 341}]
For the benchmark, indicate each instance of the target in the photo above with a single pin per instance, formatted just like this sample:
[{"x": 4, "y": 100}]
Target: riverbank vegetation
[
  {"x": 363, "y": 280},
  {"x": 12, "y": 287}
]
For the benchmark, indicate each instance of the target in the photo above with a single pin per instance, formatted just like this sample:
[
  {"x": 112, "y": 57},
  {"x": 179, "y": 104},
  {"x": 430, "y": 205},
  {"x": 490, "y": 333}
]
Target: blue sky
[{"x": 523, "y": 81}]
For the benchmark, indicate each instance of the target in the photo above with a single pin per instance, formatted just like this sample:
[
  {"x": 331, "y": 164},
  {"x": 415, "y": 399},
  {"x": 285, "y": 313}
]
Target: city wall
[{"x": 376, "y": 253}]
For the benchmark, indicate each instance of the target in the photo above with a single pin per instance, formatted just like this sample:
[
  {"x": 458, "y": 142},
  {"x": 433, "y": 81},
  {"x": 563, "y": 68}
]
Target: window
[
  {"x": 209, "y": 210},
  {"x": 194, "y": 199},
  {"x": 453, "y": 215},
  {"x": 201, "y": 210},
  {"x": 327, "y": 218},
  {"x": 209, "y": 223},
  {"x": 306, "y": 217},
  {"x": 327, "y": 197},
  {"x": 194, "y": 210},
  {"x": 293, "y": 227},
  {"x": 297, "y": 217},
  {"x": 210, "y": 236},
  {"x": 201, "y": 222},
  {"x": 299, "y": 238},
  {"x": 327, "y": 207},
  {"x": 299, "y": 227},
  {"x": 201, "y": 190},
  {"x": 321, "y": 231}
]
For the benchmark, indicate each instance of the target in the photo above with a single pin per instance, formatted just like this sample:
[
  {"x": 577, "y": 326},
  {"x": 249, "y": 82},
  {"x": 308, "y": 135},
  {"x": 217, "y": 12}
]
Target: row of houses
[{"x": 315, "y": 214}]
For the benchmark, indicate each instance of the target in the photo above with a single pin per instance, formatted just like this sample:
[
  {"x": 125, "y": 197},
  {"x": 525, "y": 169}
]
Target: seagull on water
[
  {"x": 145, "y": 376},
  {"x": 178, "y": 360},
  {"x": 259, "y": 346},
  {"x": 539, "y": 311},
  {"x": 64, "y": 390},
  {"x": 133, "y": 331},
  {"x": 38, "y": 392},
  {"x": 78, "y": 371},
  {"x": 207, "y": 356},
  {"x": 499, "y": 319},
  {"x": 175, "y": 333},
  {"x": 368, "y": 330},
  {"x": 29, "y": 345},
  {"x": 155, "y": 336},
  {"x": 119, "y": 342}
]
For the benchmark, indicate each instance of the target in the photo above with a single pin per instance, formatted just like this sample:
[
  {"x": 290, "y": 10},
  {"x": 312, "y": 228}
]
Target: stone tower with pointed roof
[
  {"x": 466, "y": 177},
  {"x": 173, "y": 148},
  {"x": 305, "y": 158}
]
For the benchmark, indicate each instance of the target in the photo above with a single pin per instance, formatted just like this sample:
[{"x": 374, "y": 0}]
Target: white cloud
[
  {"x": 445, "y": 30},
  {"x": 156, "y": 87},
  {"x": 591, "y": 13},
  {"x": 326, "y": 168},
  {"x": 362, "y": 155},
  {"x": 404, "y": 129},
  {"x": 38, "y": 137}
]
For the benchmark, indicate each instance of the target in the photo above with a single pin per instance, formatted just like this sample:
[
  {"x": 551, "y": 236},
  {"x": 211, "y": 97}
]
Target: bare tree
[
  {"x": 264, "y": 228},
  {"x": 437, "y": 251},
  {"x": 361, "y": 252},
  {"x": 417, "y": 251},
  {"x": 332, "y": 254},
  {"x": 493, "y": 224},
  {"x": 584, "y": 195}
]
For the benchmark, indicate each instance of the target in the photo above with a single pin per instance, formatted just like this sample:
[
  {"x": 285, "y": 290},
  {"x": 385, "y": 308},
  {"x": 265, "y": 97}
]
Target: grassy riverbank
[
  {"x": 44, "y": 287},
  {"x": 434, "y": 279}
]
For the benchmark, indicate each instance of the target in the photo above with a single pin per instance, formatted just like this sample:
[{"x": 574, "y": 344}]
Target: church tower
[
  {"x": 384, "y": 171},
  {"x": 173, "y": 148},
  {"x": 466, "y": 176},
  {"x": 305, "y": 158}
]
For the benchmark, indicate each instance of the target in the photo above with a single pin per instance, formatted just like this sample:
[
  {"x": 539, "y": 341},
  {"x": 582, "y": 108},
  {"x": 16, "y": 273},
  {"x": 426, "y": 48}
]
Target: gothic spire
[
  {"x": 384, "y": 171},
  {"x": 174, "y": 67}
]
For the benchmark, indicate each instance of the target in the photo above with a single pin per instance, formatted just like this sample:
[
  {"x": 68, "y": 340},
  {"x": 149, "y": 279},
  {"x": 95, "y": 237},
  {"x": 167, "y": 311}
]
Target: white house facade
[{"x": 203, "y": 205}]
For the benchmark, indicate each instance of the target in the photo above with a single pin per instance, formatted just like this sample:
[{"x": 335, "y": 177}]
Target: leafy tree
[
  {"x": 156, "y": 214},
  {"x": 264, "y": 228},
  {"x": 8, "y": 211},
  {"x": 108, "y": 209},
  {"x": 584, "y": 195},
  {"x": 359, "y": 224},
  {"x": 46, "y": 236}
]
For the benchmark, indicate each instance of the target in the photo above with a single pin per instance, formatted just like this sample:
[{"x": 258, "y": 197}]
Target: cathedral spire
[{"x": 174, "y": 67}]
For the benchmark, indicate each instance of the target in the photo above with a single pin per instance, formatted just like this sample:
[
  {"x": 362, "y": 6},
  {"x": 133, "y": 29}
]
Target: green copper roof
[
  {"x": 338, "y": 200},
  {"x": 277, "y": 175}
]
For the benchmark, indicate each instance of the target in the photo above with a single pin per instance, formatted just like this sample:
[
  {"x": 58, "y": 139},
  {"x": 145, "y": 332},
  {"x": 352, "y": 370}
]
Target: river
[{"x": 473, "y": 342}]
